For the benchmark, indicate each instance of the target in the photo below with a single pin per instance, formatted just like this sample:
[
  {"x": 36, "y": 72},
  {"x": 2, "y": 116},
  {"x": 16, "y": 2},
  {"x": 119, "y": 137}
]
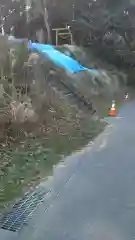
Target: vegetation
[
  {"x": 39, "y": 124},
  {"x": 103, "y": 25}
]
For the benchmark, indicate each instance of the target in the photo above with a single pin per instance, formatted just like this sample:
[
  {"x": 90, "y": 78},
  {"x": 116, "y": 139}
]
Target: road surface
[{"x": 92, "y": 196}]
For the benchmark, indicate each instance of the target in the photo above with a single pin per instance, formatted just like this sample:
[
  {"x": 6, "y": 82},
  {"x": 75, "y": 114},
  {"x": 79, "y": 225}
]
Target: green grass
[{"x": 30, "y": 162}]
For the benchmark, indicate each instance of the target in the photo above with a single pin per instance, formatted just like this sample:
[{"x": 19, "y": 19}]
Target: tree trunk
[{"x": 46, "y": 21}]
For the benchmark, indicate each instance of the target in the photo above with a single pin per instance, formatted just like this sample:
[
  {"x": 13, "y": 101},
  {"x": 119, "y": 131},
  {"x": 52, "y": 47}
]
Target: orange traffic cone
[{"x": 113, "y": 112}]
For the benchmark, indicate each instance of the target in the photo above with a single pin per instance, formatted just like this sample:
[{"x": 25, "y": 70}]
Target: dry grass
[{"x": 42, "y": 126}]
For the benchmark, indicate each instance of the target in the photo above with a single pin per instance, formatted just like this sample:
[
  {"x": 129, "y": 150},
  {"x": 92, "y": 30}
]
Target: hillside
[{"x": 51, "y": 113}]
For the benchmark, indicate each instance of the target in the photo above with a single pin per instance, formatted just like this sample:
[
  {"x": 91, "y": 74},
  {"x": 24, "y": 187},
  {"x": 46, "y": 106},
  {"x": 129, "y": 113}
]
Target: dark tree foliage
[{"x": 104, "y": 24}]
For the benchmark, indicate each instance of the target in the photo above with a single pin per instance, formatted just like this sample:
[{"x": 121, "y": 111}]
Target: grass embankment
[{"x": 61, "y": 130}]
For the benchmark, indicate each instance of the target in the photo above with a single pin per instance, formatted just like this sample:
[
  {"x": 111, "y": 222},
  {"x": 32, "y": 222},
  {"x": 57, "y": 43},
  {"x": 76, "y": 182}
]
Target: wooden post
[
  {"x": 57, "y": 37},
  {"x": 71, "y": 39}
]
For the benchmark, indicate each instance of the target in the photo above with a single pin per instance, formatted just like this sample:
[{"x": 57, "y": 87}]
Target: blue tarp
[{"x": 60, "y": 59}]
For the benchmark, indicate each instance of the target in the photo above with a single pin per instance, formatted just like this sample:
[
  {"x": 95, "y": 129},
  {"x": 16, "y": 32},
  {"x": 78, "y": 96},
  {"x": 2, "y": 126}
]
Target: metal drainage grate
[{"x": 20, "y": 212}]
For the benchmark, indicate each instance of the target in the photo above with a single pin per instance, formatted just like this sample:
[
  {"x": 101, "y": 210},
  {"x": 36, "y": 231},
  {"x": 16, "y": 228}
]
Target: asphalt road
[{"x": 92, "y": 196}]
